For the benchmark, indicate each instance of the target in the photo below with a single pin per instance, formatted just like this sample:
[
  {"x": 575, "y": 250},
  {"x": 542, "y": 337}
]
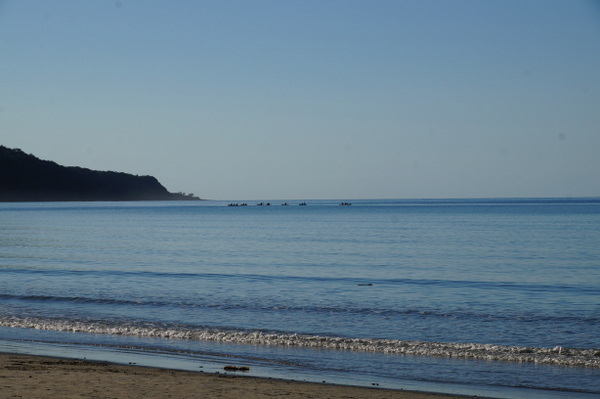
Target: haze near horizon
[{"x": 311, "y": 99}]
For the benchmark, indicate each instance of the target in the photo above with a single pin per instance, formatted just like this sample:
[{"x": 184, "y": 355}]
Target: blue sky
[{"x": 311, "y": 99}]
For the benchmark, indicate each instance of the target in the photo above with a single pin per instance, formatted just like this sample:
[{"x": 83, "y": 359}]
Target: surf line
[{"x": 557, "y": 355}]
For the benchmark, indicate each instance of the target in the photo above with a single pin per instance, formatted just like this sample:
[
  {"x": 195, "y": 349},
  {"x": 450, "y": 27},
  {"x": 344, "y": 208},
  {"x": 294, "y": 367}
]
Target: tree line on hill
[{"x": 24, "y": 177}]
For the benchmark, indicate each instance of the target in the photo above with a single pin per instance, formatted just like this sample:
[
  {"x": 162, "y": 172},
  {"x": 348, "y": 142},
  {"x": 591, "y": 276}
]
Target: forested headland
[{"x": 24, "y": 177}]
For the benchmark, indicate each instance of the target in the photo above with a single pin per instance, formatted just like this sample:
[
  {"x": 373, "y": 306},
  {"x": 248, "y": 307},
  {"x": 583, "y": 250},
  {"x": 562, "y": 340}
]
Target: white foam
[{"x": 556, "y": 356}]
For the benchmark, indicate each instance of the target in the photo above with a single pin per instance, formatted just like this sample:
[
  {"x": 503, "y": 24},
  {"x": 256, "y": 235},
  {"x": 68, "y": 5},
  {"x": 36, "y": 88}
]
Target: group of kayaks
[
  {"x": 261, "y": 204},
  {"x": 283, "y": 204}
]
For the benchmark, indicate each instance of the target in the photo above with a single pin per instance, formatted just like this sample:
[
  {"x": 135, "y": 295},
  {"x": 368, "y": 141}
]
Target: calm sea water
[{"x": 497, "y": 297}]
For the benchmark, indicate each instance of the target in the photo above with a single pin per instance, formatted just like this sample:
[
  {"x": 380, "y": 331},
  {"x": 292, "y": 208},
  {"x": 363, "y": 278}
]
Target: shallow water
[{"x": 476, "y": 295}]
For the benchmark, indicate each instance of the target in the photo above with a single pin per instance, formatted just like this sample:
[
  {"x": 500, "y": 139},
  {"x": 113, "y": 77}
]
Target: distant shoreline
[
  {"x": 102, "y": 200},
  {"x": 26, "y": 178}
]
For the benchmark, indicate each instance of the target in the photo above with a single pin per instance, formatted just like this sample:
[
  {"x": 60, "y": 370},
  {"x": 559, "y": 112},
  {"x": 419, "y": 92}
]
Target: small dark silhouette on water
[{"x": 24, "y": 177}]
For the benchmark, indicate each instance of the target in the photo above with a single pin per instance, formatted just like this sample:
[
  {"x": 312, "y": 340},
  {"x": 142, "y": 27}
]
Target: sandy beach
[{"x": 36, "y": 377}]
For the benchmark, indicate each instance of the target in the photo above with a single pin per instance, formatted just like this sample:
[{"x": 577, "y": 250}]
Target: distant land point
[{"x": 24, "y": 177}]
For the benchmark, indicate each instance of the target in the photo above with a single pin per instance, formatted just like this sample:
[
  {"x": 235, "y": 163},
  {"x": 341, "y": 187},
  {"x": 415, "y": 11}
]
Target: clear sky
[{"x": 302, "y": 99}]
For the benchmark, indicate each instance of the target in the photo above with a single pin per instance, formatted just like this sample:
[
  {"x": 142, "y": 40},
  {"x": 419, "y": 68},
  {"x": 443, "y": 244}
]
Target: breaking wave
[{"x": 560, "y": 356}]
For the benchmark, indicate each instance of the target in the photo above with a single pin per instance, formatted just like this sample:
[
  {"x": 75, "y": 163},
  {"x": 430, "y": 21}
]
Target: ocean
[{"x": 487, "y": 297}]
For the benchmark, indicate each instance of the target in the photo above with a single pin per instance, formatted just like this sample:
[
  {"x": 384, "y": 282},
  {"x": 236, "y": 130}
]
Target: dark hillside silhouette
[{"x": 24, "y": 177}]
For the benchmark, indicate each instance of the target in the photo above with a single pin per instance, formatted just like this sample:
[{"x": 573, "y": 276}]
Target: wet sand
[{"x": 34, "y": 377}]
